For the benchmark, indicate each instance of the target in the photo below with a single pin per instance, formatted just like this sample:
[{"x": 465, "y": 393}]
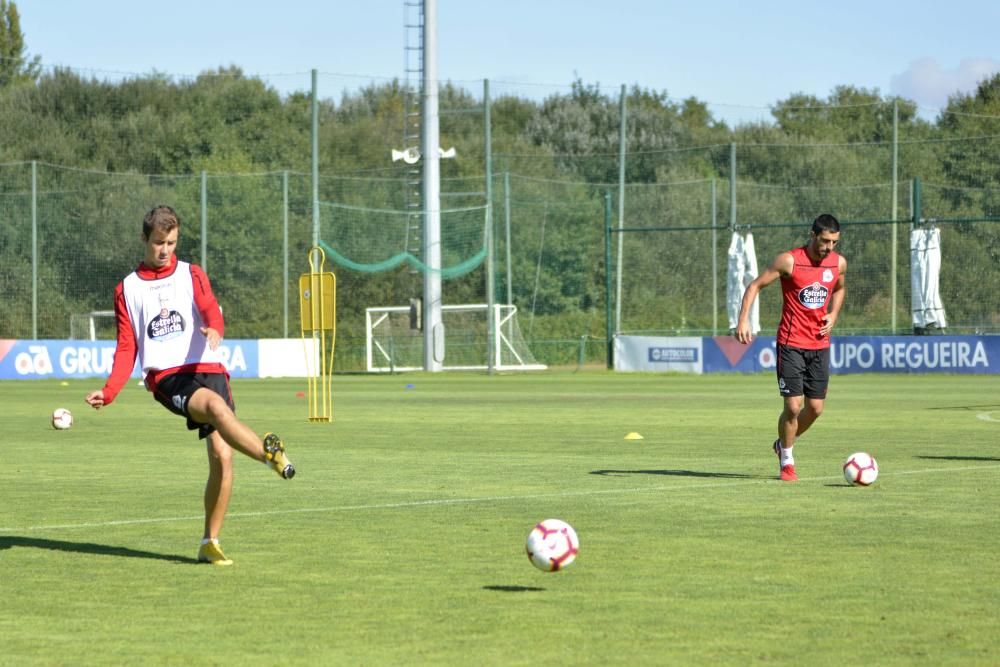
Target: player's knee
[
  {"x": 793, "y": 406},
  {"x": 220, "y": 467},
  {"x": 218, "y": 410},
  {"x": 220, "y": 457},
  {"x": 223, "y": 455}
]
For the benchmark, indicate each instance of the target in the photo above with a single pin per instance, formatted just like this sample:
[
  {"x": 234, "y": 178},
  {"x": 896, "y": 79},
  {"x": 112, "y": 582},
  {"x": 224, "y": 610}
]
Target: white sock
[
  {"x": 210, "y": 539},
  {"x": 786, "y": 457}
]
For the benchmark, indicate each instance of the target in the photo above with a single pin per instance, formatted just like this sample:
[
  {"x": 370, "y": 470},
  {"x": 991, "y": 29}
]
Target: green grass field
[{"x": 400, "y": 541}]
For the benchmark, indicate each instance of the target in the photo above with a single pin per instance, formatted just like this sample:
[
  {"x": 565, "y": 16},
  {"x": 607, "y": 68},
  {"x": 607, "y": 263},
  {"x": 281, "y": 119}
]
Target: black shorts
[
  {"x": 803, "y": 372},
  {"x": 174, "y": 391}
]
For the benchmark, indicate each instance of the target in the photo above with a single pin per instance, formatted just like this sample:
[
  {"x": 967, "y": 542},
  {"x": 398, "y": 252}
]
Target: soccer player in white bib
[{"x": 168, "y": 317}]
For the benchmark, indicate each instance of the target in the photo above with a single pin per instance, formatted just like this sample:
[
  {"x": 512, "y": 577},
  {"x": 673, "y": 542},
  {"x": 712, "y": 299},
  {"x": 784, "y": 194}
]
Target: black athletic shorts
[
  {"x": 803, "y": 372},
  {"x": 173, "y": 392}
]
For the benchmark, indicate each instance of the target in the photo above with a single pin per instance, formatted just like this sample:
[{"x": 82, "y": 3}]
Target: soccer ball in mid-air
[
  {"x": 860, "y": 469},
  {"x": 552, "y": 545},
  {"x": 62, "y": 419}
]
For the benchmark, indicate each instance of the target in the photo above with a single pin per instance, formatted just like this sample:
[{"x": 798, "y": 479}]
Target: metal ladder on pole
[{"x": 412, "y": 113}]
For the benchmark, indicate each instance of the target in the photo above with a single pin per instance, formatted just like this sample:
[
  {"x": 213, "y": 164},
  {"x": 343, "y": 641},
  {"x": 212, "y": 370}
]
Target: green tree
[
  {"x": 15, "y": 67},
  {"x": 972, "y": 163},
  {"x": 582, "y": 130}
]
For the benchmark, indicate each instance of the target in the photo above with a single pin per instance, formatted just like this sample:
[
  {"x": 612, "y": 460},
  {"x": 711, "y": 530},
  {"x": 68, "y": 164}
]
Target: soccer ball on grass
[
  {"x": 860, "y": 469},
  {"x": 62, "y": 419},
  {"x": 552, "y": 545}
]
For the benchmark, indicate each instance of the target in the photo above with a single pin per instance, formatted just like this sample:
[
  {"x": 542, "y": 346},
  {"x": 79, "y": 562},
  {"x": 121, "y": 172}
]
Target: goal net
[{"x": 392, "y": 345}]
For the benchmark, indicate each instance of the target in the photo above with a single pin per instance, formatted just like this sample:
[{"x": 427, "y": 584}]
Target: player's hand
[
  {"x": 827, "y": 326},
  {"x": 213, "y": 337},
  {"x": 743, "y": 334},
  {"x": 95, "y": 399}
]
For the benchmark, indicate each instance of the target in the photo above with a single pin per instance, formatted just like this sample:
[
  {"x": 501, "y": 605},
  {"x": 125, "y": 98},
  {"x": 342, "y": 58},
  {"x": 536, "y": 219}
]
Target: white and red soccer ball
[
  {"x": 860, "y": 469},
  {"x": 62, "y": 419},
  {"x": 552, "y": 545}
]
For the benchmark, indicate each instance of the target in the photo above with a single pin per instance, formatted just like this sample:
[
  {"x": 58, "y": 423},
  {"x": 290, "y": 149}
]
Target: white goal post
[
  {"x": 87, "y": 326},
  {"x": 391, "y": 344}
]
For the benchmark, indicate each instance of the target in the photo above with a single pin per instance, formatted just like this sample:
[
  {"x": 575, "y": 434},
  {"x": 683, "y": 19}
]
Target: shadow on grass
[
  {"x": 963, "y": 407},
  {"x": 8, "y": 541},
  {"x": 959, "y": 458},
  {"x": 513, "y": 589},
  {"x": 680, "y": 473}
]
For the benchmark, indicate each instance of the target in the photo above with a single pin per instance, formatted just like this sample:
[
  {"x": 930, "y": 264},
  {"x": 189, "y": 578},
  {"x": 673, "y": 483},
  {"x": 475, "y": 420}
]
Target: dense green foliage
[
  {"x": 106, "y": 151},
  {"x": 15, "y": 65}
]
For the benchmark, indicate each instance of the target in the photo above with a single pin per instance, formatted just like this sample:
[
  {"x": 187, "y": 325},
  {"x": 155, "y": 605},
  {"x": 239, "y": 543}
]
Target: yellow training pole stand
[{"x": 318, "y": 305}]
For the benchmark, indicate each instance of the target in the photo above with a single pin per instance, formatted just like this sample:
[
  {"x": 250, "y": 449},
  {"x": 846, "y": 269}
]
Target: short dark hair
[
  {"x": 160, "y": 217},
  {"x": 825, "y": 223}
]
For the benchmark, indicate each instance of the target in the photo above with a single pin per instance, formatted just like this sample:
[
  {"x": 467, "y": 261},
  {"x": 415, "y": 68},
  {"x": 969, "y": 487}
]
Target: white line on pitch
[{"x": 468, "y": 501}]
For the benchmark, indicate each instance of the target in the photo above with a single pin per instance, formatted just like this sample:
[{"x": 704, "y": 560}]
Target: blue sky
[{"x": 740, "y": 57}]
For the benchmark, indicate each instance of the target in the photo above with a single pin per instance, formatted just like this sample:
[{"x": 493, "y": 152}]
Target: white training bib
[{"x": 166, "y": 321}]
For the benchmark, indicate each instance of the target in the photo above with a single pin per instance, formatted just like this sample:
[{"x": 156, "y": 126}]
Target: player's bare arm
[
  {"x": 836, "y": 301},
  {"x": 781, "y": 266}
]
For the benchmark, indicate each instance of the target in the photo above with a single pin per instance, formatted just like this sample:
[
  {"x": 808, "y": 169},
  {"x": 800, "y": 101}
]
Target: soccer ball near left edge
[
  {"x": 552, "y": 545},
  {"x": 860, "y": 469},
  {"x": 62, "y": 419}
]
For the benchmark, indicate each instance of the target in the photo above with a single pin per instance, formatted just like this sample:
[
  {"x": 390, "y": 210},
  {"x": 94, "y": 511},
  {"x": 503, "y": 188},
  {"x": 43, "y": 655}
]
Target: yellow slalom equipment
[{"x": 318, "y": 305}]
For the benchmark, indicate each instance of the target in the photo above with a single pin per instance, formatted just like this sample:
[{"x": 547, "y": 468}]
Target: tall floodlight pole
[
  {"x": 491, "y": 333},
  {"x": 895, "y": 214},
  {"x": 433, "y": 326},
  {"x": 622, "y": 144},
  {"x": 315, "y": 160}
]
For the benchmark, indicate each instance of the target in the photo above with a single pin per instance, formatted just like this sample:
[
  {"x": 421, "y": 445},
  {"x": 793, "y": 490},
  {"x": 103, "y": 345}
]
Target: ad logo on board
[{"x": 685, "y": 355}]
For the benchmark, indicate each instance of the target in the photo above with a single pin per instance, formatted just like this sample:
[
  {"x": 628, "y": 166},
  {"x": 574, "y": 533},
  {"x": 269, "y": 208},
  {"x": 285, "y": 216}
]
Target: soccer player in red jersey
[
  {"x": 812, "y": 291},
  {"x": 169, "y": 318}
]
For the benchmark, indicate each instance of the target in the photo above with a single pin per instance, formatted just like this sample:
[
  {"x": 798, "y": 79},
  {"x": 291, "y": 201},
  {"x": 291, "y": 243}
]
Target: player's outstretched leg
[{"x": 274, "y": 452}]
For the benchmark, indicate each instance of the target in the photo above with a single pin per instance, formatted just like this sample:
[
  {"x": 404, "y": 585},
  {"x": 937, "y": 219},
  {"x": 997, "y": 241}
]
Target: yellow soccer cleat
[
  {"x": 211, "y": 552},
  {"x": 274, "y": 453}
]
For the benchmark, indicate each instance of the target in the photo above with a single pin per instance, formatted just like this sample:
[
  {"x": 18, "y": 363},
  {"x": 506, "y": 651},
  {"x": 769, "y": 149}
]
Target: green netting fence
[
  {"x": 67, "y": 236},
  {"x": 377, "y": 240}
]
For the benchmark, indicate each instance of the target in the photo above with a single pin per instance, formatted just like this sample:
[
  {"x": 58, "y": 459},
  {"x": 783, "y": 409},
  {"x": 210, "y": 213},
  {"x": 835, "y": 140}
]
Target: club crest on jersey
[
  {"x": 166, "y": 325},
  {"x": 827, "y": 276},
  {"x": 814, "y": 296}
]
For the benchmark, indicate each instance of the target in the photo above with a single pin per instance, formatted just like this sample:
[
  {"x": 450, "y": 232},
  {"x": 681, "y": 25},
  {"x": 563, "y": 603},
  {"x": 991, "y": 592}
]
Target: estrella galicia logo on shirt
[
  {"x": 814, "y": 296},
  {"x": 166, "y": 325}
]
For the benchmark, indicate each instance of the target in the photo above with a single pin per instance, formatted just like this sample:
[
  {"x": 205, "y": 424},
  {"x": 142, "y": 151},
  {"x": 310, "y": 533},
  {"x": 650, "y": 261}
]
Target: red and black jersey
[{"x": 806, "y": 297}]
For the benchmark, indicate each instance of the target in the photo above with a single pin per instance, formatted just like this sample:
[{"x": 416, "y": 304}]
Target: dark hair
[
  {"x": 825, "y": 223},
  {"x": 160, "y": 217}
]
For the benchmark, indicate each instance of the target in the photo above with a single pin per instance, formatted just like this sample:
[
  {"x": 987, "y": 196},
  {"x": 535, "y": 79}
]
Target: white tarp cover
[
  {"x": 925, "y": 273},
  {"x": 742, "y": 271}
]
